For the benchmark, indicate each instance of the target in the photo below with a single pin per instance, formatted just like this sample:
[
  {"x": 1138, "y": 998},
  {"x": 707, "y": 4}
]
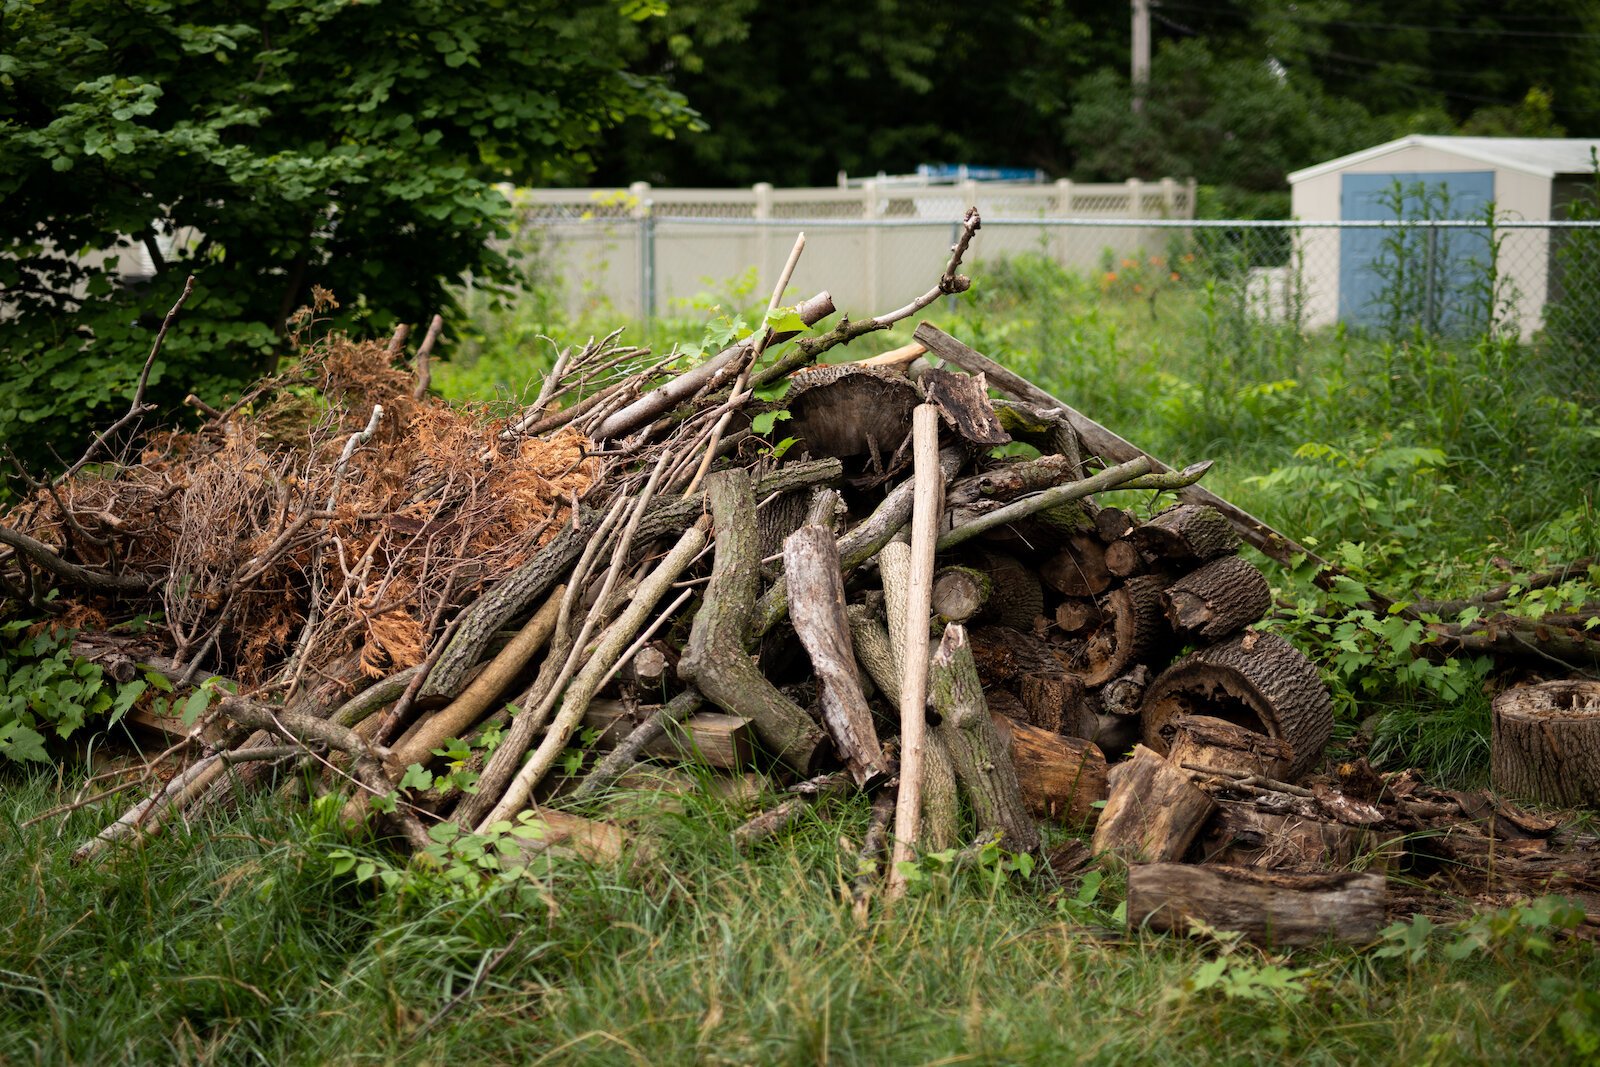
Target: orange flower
[
  {"x": 1138, "y": 288},
  {"x": 1188, "y": 257},
  {"x": 1157, "y": 261},
  {"x": 1128, "y": 263},
  {"x": 1173, "y": 276},
  {"x": 1110, "y": 277}
]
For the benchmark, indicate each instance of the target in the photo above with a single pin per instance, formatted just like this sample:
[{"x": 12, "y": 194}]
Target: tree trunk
[
  {"x": 1187, "y": 533},
  {"x": 1545, "y": 743},
  {"x": 817, "y": 610},
  {"x": 1152, "y": 814},
  {"x": 1258, "y": 681},
  {"x": 1219, "y": 599},
  {"x": 1061, "y": 778},
  {"x": 982, "y": 760},
  {"x": 1269, "y": 908}
]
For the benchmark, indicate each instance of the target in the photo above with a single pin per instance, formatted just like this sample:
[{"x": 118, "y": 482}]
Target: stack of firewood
[{"x": 923, "y": 593}]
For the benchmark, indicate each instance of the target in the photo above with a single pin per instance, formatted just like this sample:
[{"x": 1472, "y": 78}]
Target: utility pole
[{"x": 1141, "y": 53}]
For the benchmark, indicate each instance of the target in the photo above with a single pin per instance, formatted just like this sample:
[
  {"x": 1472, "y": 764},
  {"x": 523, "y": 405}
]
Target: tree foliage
[{"x": 266, "y": 146}]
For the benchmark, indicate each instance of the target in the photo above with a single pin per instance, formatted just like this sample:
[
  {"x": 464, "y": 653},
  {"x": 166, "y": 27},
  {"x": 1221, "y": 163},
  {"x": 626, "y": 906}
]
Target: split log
[
  {"x": 1242, "y": 834},
  {"x": 1123, "y": 559},
  {"x": 1269, "y": 908},
  {"x": 817, "y": 609},
  {"x": 1062, "y": 778},
  {"x": 959, "y": 593},
  {"x": 1132, "y": 631},
  {"x": 1227, "y": 747},
  {"x": 1079, "y": 569},
  {"x": 982, "y": 760},
  {"x": 1219, "y": 599},
  {"x": 715, "y": 659},
  {"x": 1052, "y": 698},
  {"x": 1186, "y": 533},
  {"x": 1057, "y": 701},
  {"x": 1545, "y": 743},
  {"x": 1257, "y": 680},
  {"x": 726, "y": 742},
  {"x": 620, "y": 760},
  {"x": 1152, "y": 813}
]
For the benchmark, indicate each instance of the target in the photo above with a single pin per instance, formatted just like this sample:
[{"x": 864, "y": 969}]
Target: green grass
[{"x": 233, "y": 942}]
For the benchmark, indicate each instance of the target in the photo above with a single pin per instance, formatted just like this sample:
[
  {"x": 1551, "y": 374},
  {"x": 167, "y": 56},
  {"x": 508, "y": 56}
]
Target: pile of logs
[{"x": 926, "y": 594}]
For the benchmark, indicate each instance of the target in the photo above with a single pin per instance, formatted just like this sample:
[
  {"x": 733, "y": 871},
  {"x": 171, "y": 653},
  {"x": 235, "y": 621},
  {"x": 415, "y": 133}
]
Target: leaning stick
[
  {"x": 617, "y": 762},
  {"x": 925, "y": 513},
  {"x": 610, "y": 645}
]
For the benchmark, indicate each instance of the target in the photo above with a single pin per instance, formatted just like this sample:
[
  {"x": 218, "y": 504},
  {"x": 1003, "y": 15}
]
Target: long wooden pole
[{"x": 926, "y": 508}]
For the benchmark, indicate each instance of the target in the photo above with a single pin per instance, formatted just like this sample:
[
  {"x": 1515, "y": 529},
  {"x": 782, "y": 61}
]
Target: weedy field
[{"x": 1425, "y": 467}]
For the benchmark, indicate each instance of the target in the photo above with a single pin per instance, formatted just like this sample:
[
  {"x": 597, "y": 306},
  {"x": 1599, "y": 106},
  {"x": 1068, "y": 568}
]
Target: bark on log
[
  {"x": 1219, "y": 599},
  {"x": 959, "y": 593},
  {"x": 1545, "y": 743},
  {"x": 817, "y": 609},
  {"x": 1132, "y": 631},
  {"x": 1257, "y": 680},
  {"x": 1124, "y": 696},
  {"x": 982, "y": 760},
  {"x": 1207, "y": 741},
  {"x": 1187, "y": 534},
  {"x": 874, "y": 651},
  {"x": 1061, "y": 778},
  {"x": 1152, "y": 814},
  {"x": 1017, "y": 598},
  {"x": 1269, "y": 908},
  {"x": 940, "y": 827},
  {"x": 1079, "y": 569},
  {"x": 715, "y": 659},
  {"x": 1058, "y": 702}
]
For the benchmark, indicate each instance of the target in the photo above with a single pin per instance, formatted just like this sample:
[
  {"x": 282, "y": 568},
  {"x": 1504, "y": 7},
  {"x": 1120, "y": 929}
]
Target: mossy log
[{"x": 1187, "y": 534}]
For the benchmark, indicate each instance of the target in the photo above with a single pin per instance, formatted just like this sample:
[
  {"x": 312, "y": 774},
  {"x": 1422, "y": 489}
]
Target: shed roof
[{"x": 1544, "y": 157}]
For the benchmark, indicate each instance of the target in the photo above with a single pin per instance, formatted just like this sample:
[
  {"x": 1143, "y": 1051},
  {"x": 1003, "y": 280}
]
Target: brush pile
[{"x": 477, "y": 621}]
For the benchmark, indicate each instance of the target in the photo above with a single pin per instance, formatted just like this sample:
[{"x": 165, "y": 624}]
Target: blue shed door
[{"x": 1397, "y": 279}]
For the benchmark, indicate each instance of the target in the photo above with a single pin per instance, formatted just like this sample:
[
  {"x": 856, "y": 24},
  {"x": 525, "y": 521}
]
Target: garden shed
[{"x": 1438, "y": 277}]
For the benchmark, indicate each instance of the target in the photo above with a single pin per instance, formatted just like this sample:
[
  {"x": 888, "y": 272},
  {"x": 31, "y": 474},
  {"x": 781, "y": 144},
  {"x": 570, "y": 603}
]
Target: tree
[{"x": 266, "y": 146}]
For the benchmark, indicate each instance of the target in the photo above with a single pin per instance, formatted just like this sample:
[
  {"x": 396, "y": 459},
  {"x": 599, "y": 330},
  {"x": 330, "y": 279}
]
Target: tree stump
[
  {"x": 1219, "y": 599},
  {"x": 1268, "y": 908},
  {"x": 1256, "y": 680},
  {"x": 1545, "y": 743},
  {"x": 1153, "y": 811}
]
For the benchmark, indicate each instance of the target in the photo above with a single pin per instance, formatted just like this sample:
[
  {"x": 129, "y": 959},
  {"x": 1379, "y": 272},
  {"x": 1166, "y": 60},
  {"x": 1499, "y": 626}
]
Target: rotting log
[
  {"x": 981, "y": 758},
  {"x": 1153, "y": 812},
  {"x": 1079, "y": 569},
  {"x": 1061, "y": 778},
  {"x": 817, "y": 610},
  {"x": 716, "y": 659},
  {"x": 846, "y": 410},
  {"x": 1217, "y": 600},
  {"x": 1545, "y": 743},
  {"x": 1100, "y": 441},
  {"x": 1228, "y": 748},
  {"x": 1133, "y": 629},
  {"x": 1017, "y": 597},
  {"x": 963, "y": 403},
  {"x": 1187, "y": 534},
  {"x": 1242, "y": 834},
  {"x": 1057, "y": 701},
  {"x": 1257, "y": 680},
  {"x": 1267, "y": 907},
  {"x": 1124, "y": 696}
]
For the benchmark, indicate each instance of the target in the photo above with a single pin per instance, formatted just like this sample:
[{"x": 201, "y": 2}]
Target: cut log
[
  {"x": 1187, "y": 534},
  {"x": 1123, "y": 559},
  {"x": 1257, "y": 680},
  {"x": 848, "y": 410},
  {"x": 1079, "y": 569},
  {"x": 1207, "y": 741},
  {"x": 1133, "y": 630},
  {"x": 981, "y": 759},
  {"x": 1077, "y": 616},
  {"x": 1153, "y": 812},
  {"x": 724, "y": 741},
  {"x": 715, "y": 659},
  {"x": 1062, "y": 778},
  {"x": 1268, "y": 908},
  {"x": 1058, "y": 702},
  {"x": 1545, "y": 743},
  {"x": 816, "y": 608},
  {"x": 1124, "y": 696},
  {"x": 959, "y": 593},
  {"x": 1052, "y": 698},
  {"x": 1219, "y": 599},
  {"x": 649, "y": 667},
  {"x": 1113, "y": 524},
  {"x": 1243, "y": 835}
]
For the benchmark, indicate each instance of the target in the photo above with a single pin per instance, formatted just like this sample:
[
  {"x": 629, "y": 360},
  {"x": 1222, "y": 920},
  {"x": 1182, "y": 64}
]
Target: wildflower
[
  {"x": 1188, "y": 257},
  {"x": 1111, "y": 276},
  {"x": 1157, "y": 261},
  {"x": 1138, "y": 288},
  {"x": 1174, "y": 276},
  {"x": 1129, "y": 263}
]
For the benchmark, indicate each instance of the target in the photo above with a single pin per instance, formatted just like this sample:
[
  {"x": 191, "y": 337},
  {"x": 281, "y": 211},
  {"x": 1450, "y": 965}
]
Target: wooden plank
[{"x": 1107, "y": 444}]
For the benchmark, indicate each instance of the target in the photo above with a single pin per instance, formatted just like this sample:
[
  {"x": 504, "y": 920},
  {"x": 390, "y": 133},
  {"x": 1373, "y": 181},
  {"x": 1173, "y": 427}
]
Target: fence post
[
  {"x": 869, "y": 218},
  {"x": 643, "y": 209},
  {"x": 763, "y": 212},
  {"x": 1169, "y": 197},
  {"x": 1059, "y": 243}
]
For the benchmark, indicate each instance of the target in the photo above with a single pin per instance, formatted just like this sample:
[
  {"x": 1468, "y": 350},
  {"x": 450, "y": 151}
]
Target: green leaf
[
  {"x": 126, "y": 695},
  {"x": 416, "y": 777},
  {"x": 195, "y": 706},
  {"x": 763, "y": 423}
]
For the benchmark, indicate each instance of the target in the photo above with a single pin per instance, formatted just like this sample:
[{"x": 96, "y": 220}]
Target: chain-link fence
[{"x": 1512, "y": 279}]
